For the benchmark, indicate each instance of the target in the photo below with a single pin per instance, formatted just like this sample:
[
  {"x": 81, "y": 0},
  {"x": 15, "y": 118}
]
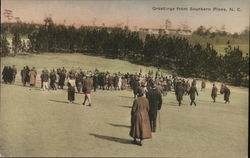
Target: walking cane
[{"x": 159, "y": 119}]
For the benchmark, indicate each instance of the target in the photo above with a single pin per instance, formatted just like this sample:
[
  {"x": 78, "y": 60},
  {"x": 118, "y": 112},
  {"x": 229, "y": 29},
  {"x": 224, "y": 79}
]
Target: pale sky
[{"x": 134, "y": 12}]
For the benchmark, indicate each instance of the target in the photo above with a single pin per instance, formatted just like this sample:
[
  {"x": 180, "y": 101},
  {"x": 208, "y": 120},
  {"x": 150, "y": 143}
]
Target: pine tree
[
  {"x": 16, "y": 43},
  {"x": 4, "y": 46}
]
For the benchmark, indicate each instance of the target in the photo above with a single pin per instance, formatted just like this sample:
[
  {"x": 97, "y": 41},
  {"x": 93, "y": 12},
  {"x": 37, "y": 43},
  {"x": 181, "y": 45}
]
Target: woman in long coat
[
  {"x": 71, "y": 89},
  {"x": 32, "y": 76},
  {"x": 140, "y": 123}
]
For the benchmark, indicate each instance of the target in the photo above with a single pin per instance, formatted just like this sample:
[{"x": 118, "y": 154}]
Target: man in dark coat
[
  {"x": 136, "y": 86},
  {"x": 110, "y": 82},
  {"x": 140, "y": 122},
  {"x": 203, "y": 85},
  {"x": 192, "y": 92},
  {"x": 95, "y": 82},
  {"x": 115, "y": 81},
  {"x": 9, "y": 75},
  {"x": 79, "y": 80},
  {"x": 214, "y": 92},
  {"x": 87, "y": 87},
  {"x": 23, "y": 76},
  {"x": 4, "y": 74},
  {"x": 155, "y": 101},
  {"x": 227, "y": 93},
  {"x": 53, "y": 80},
  {"x": 62, "y": 77},
  {"x": 14, "y": 72},
  {"x": 179, "y": 92},
  {"x": 102, "y": 80}
]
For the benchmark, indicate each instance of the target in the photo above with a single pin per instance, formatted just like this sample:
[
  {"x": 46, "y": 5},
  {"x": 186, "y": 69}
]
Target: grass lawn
[
  {"x": 221, "y": 48},
  {"x": 42, "y": 123}
]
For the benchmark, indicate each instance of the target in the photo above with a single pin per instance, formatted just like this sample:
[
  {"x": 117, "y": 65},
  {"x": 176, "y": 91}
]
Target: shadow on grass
[
  {"x": 65, "y": 102},
  {"x": 117, "y": 125},
  {"x": 110, "y": 138}
]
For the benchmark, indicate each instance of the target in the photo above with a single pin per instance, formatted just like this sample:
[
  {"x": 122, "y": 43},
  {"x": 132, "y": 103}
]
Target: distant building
[{"x": 155, "y": 31}]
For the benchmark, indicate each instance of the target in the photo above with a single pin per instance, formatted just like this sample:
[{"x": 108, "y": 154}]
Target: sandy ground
[{"x": 42, "y": 123}]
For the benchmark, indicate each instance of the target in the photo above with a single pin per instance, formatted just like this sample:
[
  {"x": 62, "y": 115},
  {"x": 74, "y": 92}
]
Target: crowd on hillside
[{"x": 56, "y": 79}]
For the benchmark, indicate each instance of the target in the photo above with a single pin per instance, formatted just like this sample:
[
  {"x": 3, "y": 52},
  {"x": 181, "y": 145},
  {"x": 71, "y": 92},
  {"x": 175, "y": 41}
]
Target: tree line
[{"x": 168, "y": 52}]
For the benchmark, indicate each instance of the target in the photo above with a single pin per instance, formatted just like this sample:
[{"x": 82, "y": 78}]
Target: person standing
[
  {"x": 79, "y": 80},
  {"x": 9, "y": 75},
  {"x": 23, "y": 75},
  {"x": 136, "y": 86},
  {"x": 140, "y": 123},
  {"x": 155, "y": 102},
  {"x": 192, "y": 92},
  {"x": 87, "y": 87},
  {"x": 14, "y": 72},
  {"x": 214, "y": 92},
  {"x": 32, "y": 77},
  {"x": 45, "y": 79},
  {"x": 227, "y": 93},
  {"x": 95, "y": 81},
  {"x": 71, "y": 89},
  {"x": 110, "y": 82},
  {"x": 62, "y": 77},
  {"x": 179, "y": 92},
  {"x": 52, "y": 79},
  {"x": 4, "y": 74},
  {"x": 203, "y": 85}
]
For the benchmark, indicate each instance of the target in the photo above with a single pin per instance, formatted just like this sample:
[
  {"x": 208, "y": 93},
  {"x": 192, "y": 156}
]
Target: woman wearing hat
[
  {"x": 71, "y": 89},
  {"x": 140, "y": 123}
]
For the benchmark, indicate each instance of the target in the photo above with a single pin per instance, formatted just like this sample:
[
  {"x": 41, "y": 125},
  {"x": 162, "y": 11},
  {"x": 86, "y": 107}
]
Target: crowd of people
[
  {"x": 9, "y": 74},
  {"x": 148, "y": 90}
]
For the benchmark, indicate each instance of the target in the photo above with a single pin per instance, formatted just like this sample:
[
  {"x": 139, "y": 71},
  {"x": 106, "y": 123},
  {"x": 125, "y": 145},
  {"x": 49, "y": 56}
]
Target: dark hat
[{"x": 140, "y": 92}]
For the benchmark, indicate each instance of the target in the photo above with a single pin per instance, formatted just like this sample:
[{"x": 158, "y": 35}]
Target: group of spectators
[{"x": 9, "y": 74}]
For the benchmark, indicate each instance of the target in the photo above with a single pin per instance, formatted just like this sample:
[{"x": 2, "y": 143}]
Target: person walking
[
  {"x": 214, "y": 93},
  {"x": 32, "y": 77},
  {"x": 140, "y": 123},
  {"x": 192, "y": 92},
  {"x": 155, "y": 102},
  {"x": 71, "y": 89},
  {"x": 87, "y": 87}
]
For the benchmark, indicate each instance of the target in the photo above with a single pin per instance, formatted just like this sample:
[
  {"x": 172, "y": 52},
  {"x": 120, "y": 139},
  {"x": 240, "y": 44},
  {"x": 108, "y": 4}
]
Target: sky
[{"x": 139, "y": 13}]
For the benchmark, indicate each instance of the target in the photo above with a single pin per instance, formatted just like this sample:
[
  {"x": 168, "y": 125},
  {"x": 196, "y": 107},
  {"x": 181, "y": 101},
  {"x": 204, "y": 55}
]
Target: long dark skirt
[{"x": 71, "y": 93}]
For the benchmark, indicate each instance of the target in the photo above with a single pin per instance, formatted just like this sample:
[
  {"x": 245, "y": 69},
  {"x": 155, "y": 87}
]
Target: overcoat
[
  {"x": 214, "y": 92},
  {"x": 227, "y": 93},
  {"x": 140, "y": 124},
  {"x": 87, "y": 85},
  {"x": 192, "y": 92},
  {"x": 32, "y": 75},
  {"x": 155, "y": 102}
]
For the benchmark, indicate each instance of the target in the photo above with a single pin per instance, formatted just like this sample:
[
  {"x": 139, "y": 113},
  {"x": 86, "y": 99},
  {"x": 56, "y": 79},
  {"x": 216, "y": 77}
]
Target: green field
[
  {"x": 76, "y": 60},
  {"x": 41, "y": 123},
  {"x": 221, "y": 48}
]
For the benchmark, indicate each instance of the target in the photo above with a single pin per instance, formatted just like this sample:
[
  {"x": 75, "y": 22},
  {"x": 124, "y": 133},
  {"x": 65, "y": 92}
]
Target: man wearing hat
[
  {"x": 14, "y": 72},
  {"x": 192, "y": 92},
  {"x": 87, "y": 87},
  {"x": 155, "y": 102},
  {"x": 214, "y": 92}
]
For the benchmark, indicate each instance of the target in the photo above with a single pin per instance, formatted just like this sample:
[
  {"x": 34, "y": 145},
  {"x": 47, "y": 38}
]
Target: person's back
[
  {"x": 193, "y": 90},
  {"x": 214, "y": 91},
  {"x": 154, "y": 98},
  {"x": 87, "y": 85},
  {"x": 155, "y": 101}
]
